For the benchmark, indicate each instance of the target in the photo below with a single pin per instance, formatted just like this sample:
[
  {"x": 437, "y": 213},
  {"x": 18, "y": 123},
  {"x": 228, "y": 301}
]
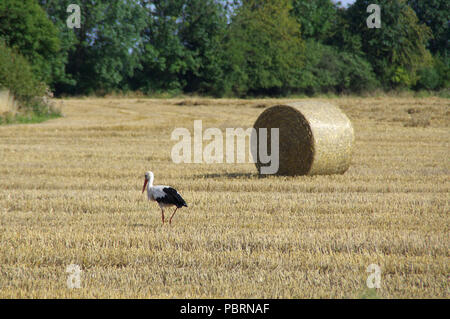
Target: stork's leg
[
  {"x": 162, "y": 215},
  {"x": 170, "y": 220}
]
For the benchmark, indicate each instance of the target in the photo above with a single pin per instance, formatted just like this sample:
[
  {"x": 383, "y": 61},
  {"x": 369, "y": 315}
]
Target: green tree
[
  {"x": 202, "y": 32},
  {"x": 435, "y": 14},
  {"x": 329, "y": 70},
  {"x": 264, "y": 48},
  {"x": 397, "y": 49},
  {"x": 25, "y": 27},
  {"x": 436, "y": 76},
  {"x": 102, "y": 52},
  {"x": 181, "y": 47},
  {"x": 316, "y": 17},
  {"x": 343, "y": 37},
  {"x": 16, "y": 74},
  {"x": 163, "y": 56}
]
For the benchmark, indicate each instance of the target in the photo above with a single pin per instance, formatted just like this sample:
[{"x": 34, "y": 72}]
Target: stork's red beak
[{"x": 145, "y": 184}]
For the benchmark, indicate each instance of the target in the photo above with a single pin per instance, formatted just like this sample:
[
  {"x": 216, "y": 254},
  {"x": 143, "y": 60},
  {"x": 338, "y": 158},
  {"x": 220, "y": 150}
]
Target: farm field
[{"x": 71, "y": 193}]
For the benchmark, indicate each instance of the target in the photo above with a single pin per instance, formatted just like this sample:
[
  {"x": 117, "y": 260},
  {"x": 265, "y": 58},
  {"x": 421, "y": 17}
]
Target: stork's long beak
[{"x": 145, "y": 184}]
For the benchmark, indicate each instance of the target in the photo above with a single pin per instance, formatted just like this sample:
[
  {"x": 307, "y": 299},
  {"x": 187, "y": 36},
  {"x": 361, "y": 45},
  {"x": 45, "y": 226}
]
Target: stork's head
[
  {"x": 148, "y": 177},
  {"x": 148, "y": 174}
]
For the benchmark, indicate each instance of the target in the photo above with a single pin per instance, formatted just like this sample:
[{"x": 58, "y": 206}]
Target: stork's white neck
[{"x": 150, "y": 180}]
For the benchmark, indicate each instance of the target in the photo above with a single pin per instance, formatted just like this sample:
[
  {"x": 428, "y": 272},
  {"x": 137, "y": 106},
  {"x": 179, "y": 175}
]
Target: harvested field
[{"x": 70, "y": 193}]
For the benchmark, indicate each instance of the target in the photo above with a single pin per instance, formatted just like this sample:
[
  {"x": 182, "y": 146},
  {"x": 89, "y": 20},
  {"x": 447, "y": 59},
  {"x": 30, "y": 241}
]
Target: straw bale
[{"x": 315, "y": 138}]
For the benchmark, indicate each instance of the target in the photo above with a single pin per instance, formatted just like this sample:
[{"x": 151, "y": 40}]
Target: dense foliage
[
  {"x": 25, "y": 27},
  {"x": 317, "y": 18},
  {"x": 264, "y": 49},
  {"x": 435, "y": 14},
  {"x": 102, "y": 52},
  {"x": 17, "y": 75},
  {"x": 230, "y": 47},
  {"x": 330, "y": 70},
  {"x": 180, "y": 46},
  {"x": 397, "y": 49}
]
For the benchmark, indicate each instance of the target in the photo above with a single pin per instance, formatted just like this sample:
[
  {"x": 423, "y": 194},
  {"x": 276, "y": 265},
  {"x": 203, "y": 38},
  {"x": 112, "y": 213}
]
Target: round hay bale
[{"x": 315, "y": 138}]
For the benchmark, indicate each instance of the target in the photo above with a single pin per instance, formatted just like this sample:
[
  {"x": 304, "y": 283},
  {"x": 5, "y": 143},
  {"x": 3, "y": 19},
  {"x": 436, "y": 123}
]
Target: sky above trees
[{"x": 345, "y": 2}]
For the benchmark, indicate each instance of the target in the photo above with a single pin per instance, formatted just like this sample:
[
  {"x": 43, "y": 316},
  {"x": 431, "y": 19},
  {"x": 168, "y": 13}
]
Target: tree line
[{"x": 223, "y": 48}]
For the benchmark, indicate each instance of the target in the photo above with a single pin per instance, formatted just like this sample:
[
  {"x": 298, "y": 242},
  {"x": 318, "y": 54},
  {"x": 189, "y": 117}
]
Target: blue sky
[{"x": 345, "y": 2}]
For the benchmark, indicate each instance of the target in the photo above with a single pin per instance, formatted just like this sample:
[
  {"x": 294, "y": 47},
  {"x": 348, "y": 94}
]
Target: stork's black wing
[{"x": 171, "y": 197}]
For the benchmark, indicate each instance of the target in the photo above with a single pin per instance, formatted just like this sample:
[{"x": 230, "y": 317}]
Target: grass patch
[
  {"x": 444, "y": 93},
  {"x": 29, "y": 118},
  {"x": 37, "y": 112},
  {"x": 368, "y": 294}
]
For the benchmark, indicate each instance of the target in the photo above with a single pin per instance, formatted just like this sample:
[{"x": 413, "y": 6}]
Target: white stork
[{"x": 165, "y": 195}]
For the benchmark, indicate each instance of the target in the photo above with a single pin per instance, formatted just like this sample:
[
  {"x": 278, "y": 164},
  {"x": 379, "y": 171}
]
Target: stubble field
[{"x": 70, "y": 193}]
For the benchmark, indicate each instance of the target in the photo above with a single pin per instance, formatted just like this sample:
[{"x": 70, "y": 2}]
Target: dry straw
[
  {"x": 315, "y": 138},
  {"x": 7, "y": 102}
]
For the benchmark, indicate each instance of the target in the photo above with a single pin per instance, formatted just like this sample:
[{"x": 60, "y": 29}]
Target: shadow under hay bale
[
  {"x": 260, "y": 106},
  {"x": 189, "y": 103},
  {"x": 230, "y": 176},
  {"x": 315, "y": 138}
]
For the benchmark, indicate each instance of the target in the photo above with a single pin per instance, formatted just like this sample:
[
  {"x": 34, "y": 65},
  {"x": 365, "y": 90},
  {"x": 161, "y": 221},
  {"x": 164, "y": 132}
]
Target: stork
[{"x": 166, "y": 196}]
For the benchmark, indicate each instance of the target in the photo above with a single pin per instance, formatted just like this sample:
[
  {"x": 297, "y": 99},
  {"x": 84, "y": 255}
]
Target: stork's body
[{"x": 165, "y": 196}]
